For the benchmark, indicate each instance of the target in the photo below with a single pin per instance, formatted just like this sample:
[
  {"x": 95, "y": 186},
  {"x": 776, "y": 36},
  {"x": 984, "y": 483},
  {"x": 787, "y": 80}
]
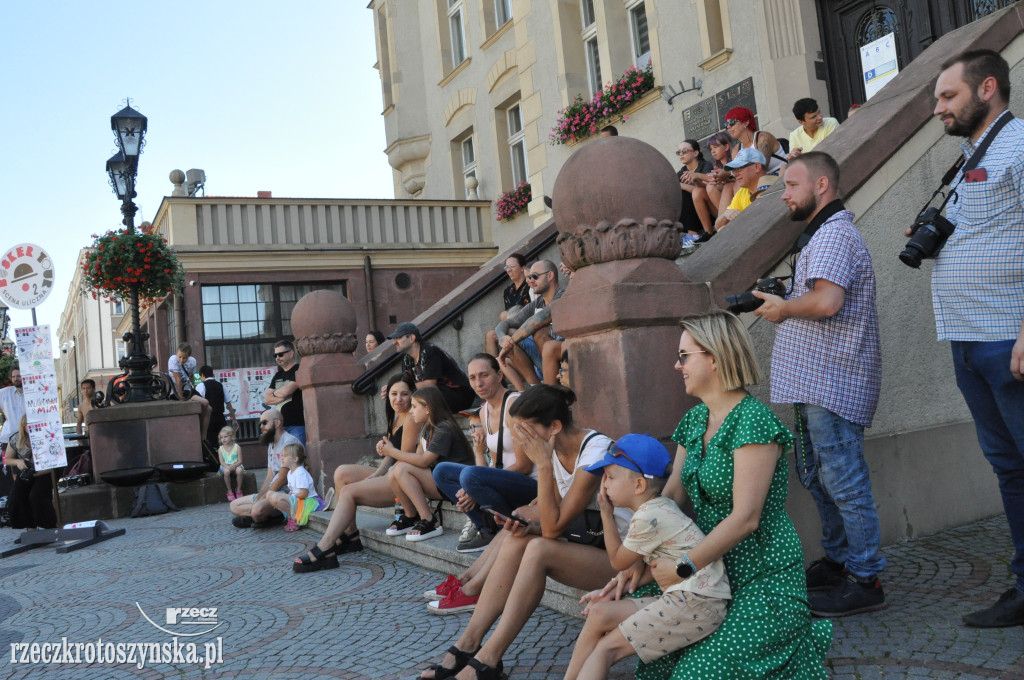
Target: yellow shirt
[
  {"x": 740, "y": 200},
  {"x": 799, "y": 139}
]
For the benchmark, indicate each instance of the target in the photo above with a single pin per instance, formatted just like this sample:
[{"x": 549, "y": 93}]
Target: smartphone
[{"x": 501, "y": 519}]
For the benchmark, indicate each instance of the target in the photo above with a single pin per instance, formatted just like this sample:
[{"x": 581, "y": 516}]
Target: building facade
[{"x": 472, "y": 89}]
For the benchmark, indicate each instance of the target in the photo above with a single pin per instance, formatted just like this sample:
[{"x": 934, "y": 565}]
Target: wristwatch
[{"x": 684, "y": 568}]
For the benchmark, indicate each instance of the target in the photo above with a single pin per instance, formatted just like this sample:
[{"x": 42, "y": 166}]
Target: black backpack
[{"x": 152, "y": 499}]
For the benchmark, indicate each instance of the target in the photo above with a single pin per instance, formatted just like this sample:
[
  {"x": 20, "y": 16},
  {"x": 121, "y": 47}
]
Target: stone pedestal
[
  {"x": 324, "y": 325},
  {"x": 616, "y": 205},
  {"x": 144, "y": 435}
]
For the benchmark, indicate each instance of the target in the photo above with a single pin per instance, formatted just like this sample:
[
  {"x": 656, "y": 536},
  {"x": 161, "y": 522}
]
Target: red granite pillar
[{"x": 616, "y": 204}]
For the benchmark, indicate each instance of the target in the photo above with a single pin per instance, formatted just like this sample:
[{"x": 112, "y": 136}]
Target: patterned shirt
[
  {"x": 834, "y": 363},
  {"x": 978, "y": 279}
]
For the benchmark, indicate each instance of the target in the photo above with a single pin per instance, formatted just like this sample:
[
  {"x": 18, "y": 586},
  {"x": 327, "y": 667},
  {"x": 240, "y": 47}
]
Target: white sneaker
[{"x": 468, "y": 532}]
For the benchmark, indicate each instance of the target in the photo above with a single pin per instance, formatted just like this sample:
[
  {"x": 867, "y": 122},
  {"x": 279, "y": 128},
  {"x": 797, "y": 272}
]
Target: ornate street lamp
[{"x": 129, "y": 128}]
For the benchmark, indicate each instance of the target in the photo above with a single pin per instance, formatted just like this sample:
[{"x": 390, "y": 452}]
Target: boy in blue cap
[{"x": 635, "y": 470}]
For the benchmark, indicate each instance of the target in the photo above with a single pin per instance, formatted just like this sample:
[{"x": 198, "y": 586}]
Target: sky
[{"x": 261, "y": 95}]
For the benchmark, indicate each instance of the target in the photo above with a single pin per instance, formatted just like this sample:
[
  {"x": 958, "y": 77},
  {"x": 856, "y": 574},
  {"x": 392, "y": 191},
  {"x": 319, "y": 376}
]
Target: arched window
[{"x": 879, "y": 22}]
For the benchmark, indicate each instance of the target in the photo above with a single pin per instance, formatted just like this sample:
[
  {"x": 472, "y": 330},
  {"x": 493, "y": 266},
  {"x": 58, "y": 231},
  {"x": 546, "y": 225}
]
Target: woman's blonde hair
[
  {"x": 723, "y": 335},
  {"x": 23, "y": 432}
]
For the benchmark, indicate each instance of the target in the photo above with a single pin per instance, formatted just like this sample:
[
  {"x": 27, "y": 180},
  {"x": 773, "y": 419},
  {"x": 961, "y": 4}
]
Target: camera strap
[{"x": 974, "y": 162}]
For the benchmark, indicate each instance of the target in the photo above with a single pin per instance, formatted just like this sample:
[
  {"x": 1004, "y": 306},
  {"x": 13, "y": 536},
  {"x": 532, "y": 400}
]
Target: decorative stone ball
[
  {"x": 323, "y": 312},
  {"x": 615, "y": 178}
]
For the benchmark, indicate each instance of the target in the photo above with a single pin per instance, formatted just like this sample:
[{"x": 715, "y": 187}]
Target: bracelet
[{"x": 686, "y": 558}]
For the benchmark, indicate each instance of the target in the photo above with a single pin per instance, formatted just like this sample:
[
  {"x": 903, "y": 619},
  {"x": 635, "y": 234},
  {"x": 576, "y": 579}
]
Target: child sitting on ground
[
  {"x": 230, "y": 460},
  {"x": 302, "y": 500},
  {"x": 635, "y": 470}
]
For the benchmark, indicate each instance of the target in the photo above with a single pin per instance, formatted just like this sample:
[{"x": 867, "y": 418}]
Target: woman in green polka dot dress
[{"x": 730, "y": 464}]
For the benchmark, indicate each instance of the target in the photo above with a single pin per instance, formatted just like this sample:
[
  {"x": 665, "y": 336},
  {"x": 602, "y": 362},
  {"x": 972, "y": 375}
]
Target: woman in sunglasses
[
  {"x": 524, "y": 556},
  {"x": 730, "y": 464},
  {"x": 740, "y": 123}
]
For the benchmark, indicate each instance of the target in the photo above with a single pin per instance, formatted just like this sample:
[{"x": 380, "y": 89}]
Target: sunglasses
[
  {"x": 534, "y": 277},
  {"x": 684, "y": 355},
  {"x": 683, "y": 152},
  {"x": 731, "y": 122},
  {"x": 615, "y": 452},
  {"x": 264, "y": 422},
  {"x": 281, "y": 354}
]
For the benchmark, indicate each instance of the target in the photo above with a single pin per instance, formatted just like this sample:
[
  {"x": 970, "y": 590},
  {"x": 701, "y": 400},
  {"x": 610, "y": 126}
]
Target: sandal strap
[
  {"x": 424, "y": 526},
  {"x": 485, "y": 672},
  {"x": 460, "y": 655}
]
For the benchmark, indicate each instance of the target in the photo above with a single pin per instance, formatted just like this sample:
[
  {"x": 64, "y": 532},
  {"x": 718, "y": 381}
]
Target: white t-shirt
[
  {"x": 184, "y": 371},
  {"x": 12, "y": 402},
  {"x": 299, "y": 478},
  {"x": 594, "y": 446},
  {"x": 508, "y": 454}
]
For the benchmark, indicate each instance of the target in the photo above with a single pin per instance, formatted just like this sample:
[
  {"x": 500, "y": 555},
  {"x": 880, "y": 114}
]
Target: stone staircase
[{"x": 438, "y": 553}]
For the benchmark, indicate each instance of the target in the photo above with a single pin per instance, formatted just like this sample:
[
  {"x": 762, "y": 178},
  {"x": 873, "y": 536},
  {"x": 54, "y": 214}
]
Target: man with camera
[
  {"x": 978, "y": 284},
  {"x": 827, "y": 362}
]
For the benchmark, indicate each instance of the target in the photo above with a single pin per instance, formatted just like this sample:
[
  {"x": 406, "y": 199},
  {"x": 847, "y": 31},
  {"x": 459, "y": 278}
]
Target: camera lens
[
  {"x": 911, "y": 256},
  {"x": 744, "y": 302}
]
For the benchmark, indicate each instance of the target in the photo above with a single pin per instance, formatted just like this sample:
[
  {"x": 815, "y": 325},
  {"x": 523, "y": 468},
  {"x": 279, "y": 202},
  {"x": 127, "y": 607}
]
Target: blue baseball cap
[
  {"x": 746, "y": 157},
  {"x": 638, "y": 452}
]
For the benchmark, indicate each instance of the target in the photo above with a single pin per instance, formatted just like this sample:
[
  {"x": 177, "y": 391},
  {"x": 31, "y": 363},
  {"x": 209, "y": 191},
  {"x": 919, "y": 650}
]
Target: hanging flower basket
[
  {"x": 119, "y": 259},
  {"x": 584, "y": 118},
  {"x": 511, "y": 203}
]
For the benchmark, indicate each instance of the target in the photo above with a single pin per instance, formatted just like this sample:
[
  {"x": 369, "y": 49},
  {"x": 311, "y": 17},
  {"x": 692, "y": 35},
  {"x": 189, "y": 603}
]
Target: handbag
[{"x": 587, "y": 528}]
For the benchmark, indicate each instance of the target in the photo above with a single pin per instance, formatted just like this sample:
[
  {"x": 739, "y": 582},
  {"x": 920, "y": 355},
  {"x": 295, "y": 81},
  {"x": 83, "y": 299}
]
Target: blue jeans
[
  {"x": 830, "y": 464},
  {"x": 996, "y": 402},
  {"x": 502, "y": 490},
  {"x": 297, "y": 431}
]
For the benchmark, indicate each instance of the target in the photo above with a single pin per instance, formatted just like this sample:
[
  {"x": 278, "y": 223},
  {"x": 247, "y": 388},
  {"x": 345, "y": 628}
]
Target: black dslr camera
[
  {"x": 927, "y": 237},
  {"x": 746, "y": 302}
]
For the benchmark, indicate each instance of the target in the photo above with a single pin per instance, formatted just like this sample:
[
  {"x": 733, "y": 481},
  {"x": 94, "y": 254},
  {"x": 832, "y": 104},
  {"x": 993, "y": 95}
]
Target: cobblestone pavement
[{"x": 367, "y": 620}]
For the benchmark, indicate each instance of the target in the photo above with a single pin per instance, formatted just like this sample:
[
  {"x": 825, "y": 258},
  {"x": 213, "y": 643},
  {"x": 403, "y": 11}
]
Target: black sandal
[
  {"x": 322, "y": 559},
  {"x": 425, "y": 528},
  {"x": 348, "y": 543},
  {"x": 442, "y": 673},
  {"x": 485, "y": 672},
  {"x": 401, "y": 525}
]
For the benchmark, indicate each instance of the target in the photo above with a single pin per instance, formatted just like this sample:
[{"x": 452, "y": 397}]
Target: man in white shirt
[
  {"x": 12, "y": 405},
  {"x": 256, "y": 509}
]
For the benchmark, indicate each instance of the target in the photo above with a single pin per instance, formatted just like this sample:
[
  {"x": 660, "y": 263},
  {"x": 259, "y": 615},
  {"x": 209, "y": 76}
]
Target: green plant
[
  {"x": 511, "y": 203},
  {"x": 121, "y": 259},
  {"x": 8, "y": 360},
  {"x": 583, "y": 118}
]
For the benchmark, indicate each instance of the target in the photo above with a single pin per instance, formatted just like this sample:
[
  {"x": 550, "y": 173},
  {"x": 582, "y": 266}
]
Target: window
[
  {"x": 587, "y": 13},
  {"x": 517, "y": 144},
  {"x": 593, "y": 65},
  {"x": 641, "y": 39},
  {"x": 468, "y": 163},
  {"x": 172, "y": 337},
  {"x": 120, "y": 349},
  {"x": 242, "y": 322},
  {"x": 590, "y": 48},
  {"x": 502, "y": 12},
  {"x": 118, "y": 306},
  {"x": 455, "y": 28}
]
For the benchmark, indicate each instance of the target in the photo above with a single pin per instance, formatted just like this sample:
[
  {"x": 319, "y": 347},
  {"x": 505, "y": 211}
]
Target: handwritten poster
[
  {"x": 42, "y": 405},
  {"x": 254, "y": 384}
]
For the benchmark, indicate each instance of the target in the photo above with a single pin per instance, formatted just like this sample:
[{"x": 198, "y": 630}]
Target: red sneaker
[
  {"x": 457, "y": 601},
  {"x": 440, "y": 592}
]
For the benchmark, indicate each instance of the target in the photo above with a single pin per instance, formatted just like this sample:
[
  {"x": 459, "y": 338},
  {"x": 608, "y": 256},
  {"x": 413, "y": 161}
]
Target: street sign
[{"x": 26, "y": 276}]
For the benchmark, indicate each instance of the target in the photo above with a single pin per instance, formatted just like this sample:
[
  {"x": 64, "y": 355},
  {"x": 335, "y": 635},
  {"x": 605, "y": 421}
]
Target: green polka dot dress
[{"x": 768, "y": 631}]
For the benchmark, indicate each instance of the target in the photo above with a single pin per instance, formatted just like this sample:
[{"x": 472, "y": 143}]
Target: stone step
[{"x": 439, "y": 553}]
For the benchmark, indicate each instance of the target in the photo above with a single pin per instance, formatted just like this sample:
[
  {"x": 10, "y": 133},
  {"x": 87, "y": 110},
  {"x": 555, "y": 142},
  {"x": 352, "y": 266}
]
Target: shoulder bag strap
[
  {"x": 498, "y": 463},
  {"x": 583, "y": 447}
]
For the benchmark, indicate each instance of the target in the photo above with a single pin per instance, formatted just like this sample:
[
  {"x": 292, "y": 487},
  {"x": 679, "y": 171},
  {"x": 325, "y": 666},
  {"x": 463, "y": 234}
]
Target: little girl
[
  {"x": 301, "y": 500},
  {"x": 410, "y": 477},
  {"x": 230, "y": 460}
]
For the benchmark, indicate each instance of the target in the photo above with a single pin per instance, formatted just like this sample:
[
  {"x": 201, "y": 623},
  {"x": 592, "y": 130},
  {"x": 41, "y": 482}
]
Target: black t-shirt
[
  {"x": 449, "y": 445},
  {"x": 516, "y": 297},
  {"x": 291, "y": 409},
  {"x": 215, "y": 395},
  {"x": 435, "y": 364}
]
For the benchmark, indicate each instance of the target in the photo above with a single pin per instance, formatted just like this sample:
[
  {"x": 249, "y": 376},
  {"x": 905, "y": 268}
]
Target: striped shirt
[
  {"x": 978, "y": 279},
  {"x": 834, "y": 363}
]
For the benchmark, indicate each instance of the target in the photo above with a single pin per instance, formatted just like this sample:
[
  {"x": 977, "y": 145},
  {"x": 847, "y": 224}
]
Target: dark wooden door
[{"x": 846, "y": 25}]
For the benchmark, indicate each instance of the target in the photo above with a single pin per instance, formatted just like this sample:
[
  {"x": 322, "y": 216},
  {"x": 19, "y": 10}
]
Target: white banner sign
[
  {"x": 878, "y": 63},
  {"x": 42, "y": 404}
]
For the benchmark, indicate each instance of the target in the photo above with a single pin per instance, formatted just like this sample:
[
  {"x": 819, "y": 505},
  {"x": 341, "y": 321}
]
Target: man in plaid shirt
[
  {"x": 978, "y": 287},
  {"x": 827, "y": 362}
]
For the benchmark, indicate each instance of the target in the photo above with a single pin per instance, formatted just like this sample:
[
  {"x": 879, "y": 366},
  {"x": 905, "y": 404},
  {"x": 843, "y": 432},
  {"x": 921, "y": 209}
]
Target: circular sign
[{"x": 26, "y": 276}]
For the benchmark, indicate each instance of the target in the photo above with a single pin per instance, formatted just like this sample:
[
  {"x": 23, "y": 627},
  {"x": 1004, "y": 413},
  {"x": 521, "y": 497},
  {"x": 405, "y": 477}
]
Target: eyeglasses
[
  {"x": 563, "y": 371},
  {"x": 683, "y": 151},
  {"x": 534, "y": 277},
  {"x": 510, "y": 267},
  {"x": 615, "y": 452},
  {"x": 281, "y": 354},
  {"x": 683, "y": 355},
  {"x": 731, "y": 122}
]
